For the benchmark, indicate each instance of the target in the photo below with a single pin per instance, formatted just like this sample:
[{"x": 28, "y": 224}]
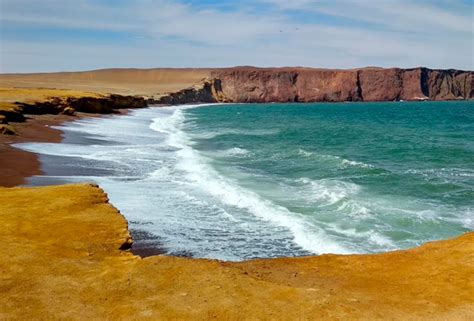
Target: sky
[{"x": 68, "y": 35}]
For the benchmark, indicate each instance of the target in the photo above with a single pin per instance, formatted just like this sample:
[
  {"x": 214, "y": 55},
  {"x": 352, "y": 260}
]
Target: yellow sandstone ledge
[{"x": 60, "y": 259}]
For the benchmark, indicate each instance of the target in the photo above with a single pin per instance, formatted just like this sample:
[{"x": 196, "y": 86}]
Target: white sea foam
[
  {"x": 355, "y": 163},
  {"x": 304, "y": 153},
  {"x": 149, "y": 163},
  {"x": 210, "y": 134},
  {"x": 202, "y": 175},
  {"x": 236, "y": 151},
  {"x": 342, "y": 161},
  {"x": 373, "y": 238},
  {"x": 336, "y": 194}
]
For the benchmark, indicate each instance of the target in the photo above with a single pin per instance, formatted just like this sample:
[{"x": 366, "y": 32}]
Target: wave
[
  {"x": 210, "y": 134},
  {"x": 199, "y": 173},
  {"x": 341, "y": 161},
  {"x": 236, "y": 152},
  {"x": 442, "y": 172},
  {"x": 379, "y": 241},
  {"x": 304, "y": 153},
  {"x": 336, "y": 194},
  {"x": 296, "y": 202}
]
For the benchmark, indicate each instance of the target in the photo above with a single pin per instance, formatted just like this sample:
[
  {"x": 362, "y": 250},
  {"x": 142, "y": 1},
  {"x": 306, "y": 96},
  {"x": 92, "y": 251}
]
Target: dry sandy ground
[
  {"x": 60, "y": 259},
  {"x": 145, "y": 82},
  {"x": 60, "y": 255}
]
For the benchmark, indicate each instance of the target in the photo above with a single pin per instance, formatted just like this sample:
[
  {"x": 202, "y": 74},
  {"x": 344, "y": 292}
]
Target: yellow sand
[
  {"x": 10, "y": 95},
  {"x": 145, "y": 82},
  {"x": 60, "y": 259}
]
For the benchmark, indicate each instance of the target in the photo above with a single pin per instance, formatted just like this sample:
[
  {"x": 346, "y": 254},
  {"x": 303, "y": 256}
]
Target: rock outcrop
[
  {"x": 95, "y": 105},
  {"x": 7, "y": 130},
  {"x": 61, "y": 260},
  {"x": 11, "y": 113},
  {"x": 207, "y": 91},
  {"x": 105, "y": 105},
  {"x": 262, "y": 85},
  {"x": 15, "y": 112}
]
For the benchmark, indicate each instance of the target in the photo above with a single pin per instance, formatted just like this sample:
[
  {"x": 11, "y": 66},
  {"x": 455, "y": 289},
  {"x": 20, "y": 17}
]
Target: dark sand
[{"x": 17, "y": 165}]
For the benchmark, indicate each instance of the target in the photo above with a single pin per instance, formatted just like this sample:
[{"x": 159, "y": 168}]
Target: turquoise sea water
[{"x": 266, "y": 180}]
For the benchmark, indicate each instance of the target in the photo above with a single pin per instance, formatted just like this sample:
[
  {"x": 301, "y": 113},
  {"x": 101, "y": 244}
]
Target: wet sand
[{"x": 17, "y": 165}]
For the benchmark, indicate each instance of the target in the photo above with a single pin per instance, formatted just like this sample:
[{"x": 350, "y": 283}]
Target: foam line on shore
[{"x": 306, "y": 235}]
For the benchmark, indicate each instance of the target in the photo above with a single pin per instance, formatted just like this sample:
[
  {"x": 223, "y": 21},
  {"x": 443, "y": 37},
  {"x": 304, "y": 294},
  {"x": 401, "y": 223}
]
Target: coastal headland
[
  {"x": 66, "y": 258},
  {"x": 66, "y": 249}
]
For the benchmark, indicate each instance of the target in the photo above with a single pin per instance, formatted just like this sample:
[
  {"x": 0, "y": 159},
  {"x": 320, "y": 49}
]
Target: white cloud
[
  {"x": 405, "y": 15},
  {"x": 175, "y": 34}
]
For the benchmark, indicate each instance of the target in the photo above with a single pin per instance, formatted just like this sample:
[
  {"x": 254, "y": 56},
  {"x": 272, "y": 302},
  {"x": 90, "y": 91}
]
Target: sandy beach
[
  {"x": 236, "y": 160},
  {"x": 17, "y": 165},
  {"x": 78, "y": 239},
  {"x": 75, "y": 238}
]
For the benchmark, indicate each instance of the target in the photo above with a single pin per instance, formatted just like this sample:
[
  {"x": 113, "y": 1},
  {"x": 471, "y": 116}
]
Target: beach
[
  {"x": 202, "y": 181},
  {"x": 16, "y": 165},
  {"x": 77, "y": 238},
  {"x": 237, "y": 160}
]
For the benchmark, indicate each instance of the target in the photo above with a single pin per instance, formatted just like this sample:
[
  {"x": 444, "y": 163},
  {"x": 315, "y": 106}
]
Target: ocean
[{"x": 243, "y": 181}]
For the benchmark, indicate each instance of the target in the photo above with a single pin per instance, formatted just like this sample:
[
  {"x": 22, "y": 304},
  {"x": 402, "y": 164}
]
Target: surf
[{"x": 237, "y": 182}]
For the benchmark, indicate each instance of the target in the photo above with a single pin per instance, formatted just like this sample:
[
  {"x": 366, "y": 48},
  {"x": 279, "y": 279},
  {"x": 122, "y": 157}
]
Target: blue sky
[{"x": 54, "y": 35}]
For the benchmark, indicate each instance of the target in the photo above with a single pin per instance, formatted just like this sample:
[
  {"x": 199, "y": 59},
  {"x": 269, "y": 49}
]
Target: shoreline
[
  {"x": 17, "y": 165},
  {"x": 419, "y": 283},
  {"x": 414, "y": 284},
  {"x": 145, "y": 244}
]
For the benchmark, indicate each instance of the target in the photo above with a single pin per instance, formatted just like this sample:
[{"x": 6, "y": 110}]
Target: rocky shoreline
[
  {"x": 304, "y": 85},
  {"x": 77, "y": 240},
  {"x": 255, "y": 85},
  {"x": 69, "y": 106},
  {"x": 28, "y": 118},
  {"x": 67, "y": 258}
]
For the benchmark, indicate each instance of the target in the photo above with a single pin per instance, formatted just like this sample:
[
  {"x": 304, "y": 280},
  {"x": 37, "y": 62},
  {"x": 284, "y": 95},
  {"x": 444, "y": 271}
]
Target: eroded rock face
[
  {"x": 260, "y": 85},
  {"x": 68, "y": 106},
  {"x": 7, "y": 130},
  {"x": 106, "y": 105},
  {"x": 12, "y": 115},
  {"x": 95, "y": 105},
  {"x": 208, "y": 91}
]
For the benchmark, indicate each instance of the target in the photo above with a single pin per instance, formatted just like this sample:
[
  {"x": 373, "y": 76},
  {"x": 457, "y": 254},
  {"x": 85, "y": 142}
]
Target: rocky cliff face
[
  {"x": 260, "y": 85},
  {"x": 61, "y": 105},
  {"x": 15, "y": 112},
  {"x": 208, "y": 91}
]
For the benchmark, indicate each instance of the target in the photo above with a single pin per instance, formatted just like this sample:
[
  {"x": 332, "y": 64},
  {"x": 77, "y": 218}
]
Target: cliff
[
  {"x": 207, "y": 91},
  {"x": 17, "y": 103},
  {"x": 260, "y": 85},
  {"x": 251, "y": 84},
  {"x": 63, "y": 259}
]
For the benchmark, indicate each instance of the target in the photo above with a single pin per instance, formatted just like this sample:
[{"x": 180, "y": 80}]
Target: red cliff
[
  {"x": 370, "y": 84},
  {"x": 250, "y": 84}
]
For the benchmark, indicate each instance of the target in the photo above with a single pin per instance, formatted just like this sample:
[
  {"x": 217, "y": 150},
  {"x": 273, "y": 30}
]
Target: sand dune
[{"x": 147, "y": 82}]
